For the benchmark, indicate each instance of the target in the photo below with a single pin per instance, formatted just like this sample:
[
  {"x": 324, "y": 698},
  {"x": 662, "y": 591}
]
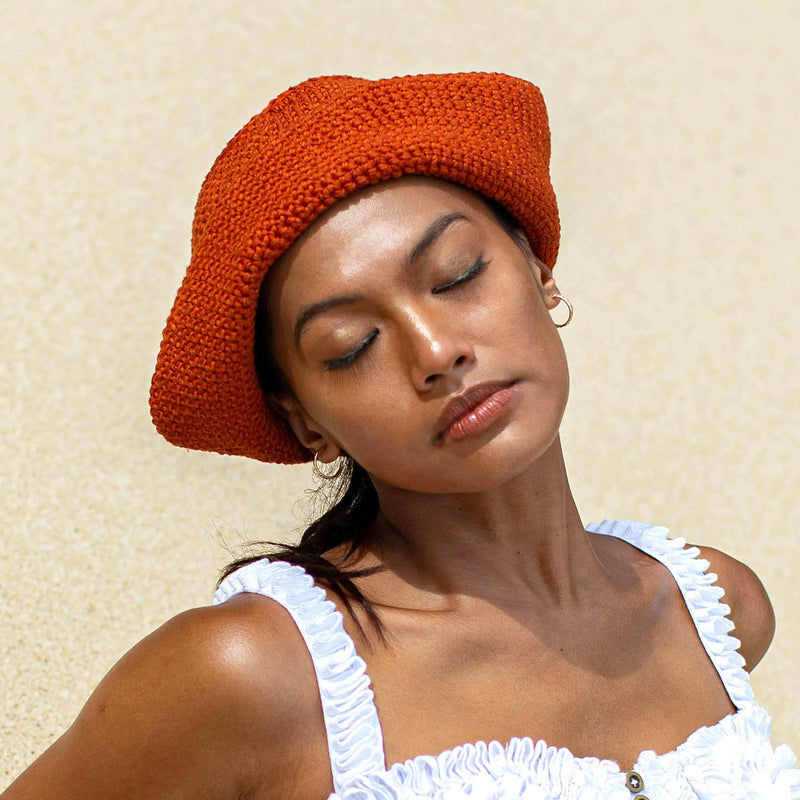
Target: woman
[{"x": 370, "y": 287}]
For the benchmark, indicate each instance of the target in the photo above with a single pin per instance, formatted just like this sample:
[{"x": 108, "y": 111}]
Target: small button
[
  {"x": 641, "y": 797},
  {"x": 634, "y": 783}
]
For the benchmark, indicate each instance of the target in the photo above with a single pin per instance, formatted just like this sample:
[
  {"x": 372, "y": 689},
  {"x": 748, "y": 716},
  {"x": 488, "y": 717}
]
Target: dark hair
[{"x": 355, "y": 504}]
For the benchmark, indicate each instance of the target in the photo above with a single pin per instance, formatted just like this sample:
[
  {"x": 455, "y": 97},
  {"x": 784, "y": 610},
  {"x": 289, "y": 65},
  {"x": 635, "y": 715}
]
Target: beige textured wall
[{"x": 675, "y": 160}]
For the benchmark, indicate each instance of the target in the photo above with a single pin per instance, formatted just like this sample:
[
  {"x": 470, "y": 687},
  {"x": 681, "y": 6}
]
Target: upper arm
[
  {"x": 751, "y": 610},
  {"x": 205, "y": 706}
]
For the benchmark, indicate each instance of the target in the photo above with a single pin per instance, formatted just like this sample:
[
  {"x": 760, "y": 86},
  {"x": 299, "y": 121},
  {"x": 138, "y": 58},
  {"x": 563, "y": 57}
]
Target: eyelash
[
  {"x": 475, "y": 270},
  {"x": 347, "y": 360}
]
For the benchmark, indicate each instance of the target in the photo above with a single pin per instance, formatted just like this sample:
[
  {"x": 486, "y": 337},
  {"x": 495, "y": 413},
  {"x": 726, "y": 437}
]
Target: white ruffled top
[{"x": 731, "y": 760}]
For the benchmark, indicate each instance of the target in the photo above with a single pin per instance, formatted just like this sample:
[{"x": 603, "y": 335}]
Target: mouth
[{"x": 474, "y": 410}]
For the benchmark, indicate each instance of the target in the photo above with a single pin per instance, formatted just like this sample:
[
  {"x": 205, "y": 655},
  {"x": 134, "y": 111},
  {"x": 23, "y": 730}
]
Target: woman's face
[{"x": 416, "y": 337}]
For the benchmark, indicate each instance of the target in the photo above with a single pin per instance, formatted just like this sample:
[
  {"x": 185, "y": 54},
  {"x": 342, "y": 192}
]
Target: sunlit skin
[
  {"x": 432, "y": 338},
  {"x": 504, "y": 617},
  {"x": 382, "y": 409},
  {"x": 483, "y": 529}
]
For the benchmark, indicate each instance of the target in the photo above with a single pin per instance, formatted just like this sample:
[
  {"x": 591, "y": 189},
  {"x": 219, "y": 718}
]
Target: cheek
[
  {"x": 363, "y": 418},
  {"x": 532, "y": 344},
  {"x": 518, "y": 320}
]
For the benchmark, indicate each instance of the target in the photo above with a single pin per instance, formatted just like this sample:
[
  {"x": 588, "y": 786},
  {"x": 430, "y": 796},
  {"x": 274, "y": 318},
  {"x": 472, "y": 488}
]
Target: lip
[{"x": 474, "y": 410}]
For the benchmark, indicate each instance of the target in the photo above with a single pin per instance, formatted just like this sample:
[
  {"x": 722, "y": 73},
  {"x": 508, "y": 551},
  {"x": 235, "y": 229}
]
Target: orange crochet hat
[{"x": 313, "y": 145}]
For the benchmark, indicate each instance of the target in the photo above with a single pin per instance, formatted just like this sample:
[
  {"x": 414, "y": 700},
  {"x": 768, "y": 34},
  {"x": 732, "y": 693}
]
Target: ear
[
  {"x": 546, "y": 280},
  {"x": 308, "y": 433}
]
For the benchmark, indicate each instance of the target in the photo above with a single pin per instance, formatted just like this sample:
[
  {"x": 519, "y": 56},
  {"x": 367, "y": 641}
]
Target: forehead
[
  {"x": 376, "y": 223},
  {"x": 387, "y": 213}
]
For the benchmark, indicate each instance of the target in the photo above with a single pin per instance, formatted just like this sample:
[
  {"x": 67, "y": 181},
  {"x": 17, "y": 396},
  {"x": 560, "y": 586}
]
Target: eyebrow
[
  {"x": 309, "y": 312},
  {"x": 432, "y": 233}
]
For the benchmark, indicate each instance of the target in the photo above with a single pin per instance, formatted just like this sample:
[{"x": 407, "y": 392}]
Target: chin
[
  {"x": 468, "y": 467},
  {"x": 516, "y": 458}
]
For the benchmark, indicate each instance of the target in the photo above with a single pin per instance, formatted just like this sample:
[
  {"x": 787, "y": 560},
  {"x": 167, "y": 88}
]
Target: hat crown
[
  {"x": 283, "y": 114},
  {"x": 293, "y": 104}
]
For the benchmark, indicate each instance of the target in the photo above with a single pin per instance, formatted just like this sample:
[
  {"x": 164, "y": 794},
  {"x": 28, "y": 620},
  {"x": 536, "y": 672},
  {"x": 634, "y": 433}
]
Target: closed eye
[
  {"x": 475, "y": 270},
  {"x": 350, "y": 358}
]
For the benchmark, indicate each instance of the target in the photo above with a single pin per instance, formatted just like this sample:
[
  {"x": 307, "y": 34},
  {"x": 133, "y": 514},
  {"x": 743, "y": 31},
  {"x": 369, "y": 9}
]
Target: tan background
[{"x": 675, "y": 160}]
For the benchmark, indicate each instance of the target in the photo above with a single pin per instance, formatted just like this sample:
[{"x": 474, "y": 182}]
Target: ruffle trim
[
  {"x": 355, "y": 742},
  {"x": 731, "y": 760},
  {"x": 491, "y": 771},
  {"x": 701, "y": 595}
]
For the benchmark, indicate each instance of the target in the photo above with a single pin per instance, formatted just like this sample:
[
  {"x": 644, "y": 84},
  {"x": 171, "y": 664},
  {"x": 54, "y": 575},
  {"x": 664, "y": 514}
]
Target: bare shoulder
[
  {"x": 215, "y": 703},
  {"x": 751, "y": 610}
]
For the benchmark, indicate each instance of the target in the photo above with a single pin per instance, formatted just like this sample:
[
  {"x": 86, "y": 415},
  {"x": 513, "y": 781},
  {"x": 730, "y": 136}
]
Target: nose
[{"x": 438, "y": 350}]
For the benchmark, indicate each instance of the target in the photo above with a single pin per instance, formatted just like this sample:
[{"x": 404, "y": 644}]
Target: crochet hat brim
[{"x": 313, "y": 145}]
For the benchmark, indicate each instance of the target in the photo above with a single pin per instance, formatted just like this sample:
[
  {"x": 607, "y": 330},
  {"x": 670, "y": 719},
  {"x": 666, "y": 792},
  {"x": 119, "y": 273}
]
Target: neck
[{"x": 525, "y": 535}]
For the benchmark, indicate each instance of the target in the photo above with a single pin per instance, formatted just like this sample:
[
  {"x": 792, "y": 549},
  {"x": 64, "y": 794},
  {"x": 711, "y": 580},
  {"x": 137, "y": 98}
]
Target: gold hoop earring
[
  {"x": 326, "y": 476},
  {"x": 562, "y": 299}
]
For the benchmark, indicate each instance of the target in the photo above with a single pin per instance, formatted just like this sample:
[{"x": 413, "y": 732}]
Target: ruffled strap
[
  {"x": 355, "y": 741},
  {"x": 701, "y": 595}
]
